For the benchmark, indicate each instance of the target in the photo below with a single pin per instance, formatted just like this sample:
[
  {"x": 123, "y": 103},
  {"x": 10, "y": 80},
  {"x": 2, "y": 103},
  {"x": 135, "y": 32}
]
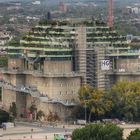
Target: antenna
[{"x": 110, "y": 14}]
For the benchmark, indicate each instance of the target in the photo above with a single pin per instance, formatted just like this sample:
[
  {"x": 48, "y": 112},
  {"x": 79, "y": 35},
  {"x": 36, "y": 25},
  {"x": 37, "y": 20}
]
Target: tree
[
  {"x": 53, "y": 117},
  {"x": 134, "y": 135},
  {"x": 33, "y": 108},
  {"x": 95, "y": 100},
  {"x": 13, "y": 110},
  {"x": 126, "y": 100},
  {"x": 40, "y": 114},
  {"x": 98, "y": 132},
  {"x": 78, "y": 112}
]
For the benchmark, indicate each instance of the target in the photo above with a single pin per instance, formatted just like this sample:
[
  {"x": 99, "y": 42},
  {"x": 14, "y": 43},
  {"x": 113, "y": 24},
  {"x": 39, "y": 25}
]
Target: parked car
[{"x": 62, "y": 137}]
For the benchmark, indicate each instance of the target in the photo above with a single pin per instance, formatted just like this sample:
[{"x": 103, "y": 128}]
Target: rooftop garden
[{"x": 72, "y": 23}]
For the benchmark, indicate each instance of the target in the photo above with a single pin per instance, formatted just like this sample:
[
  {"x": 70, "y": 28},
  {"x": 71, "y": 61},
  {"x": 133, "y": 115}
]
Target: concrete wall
[
  {"x": 23, "y": 101},
  {"x": 128, "y": 65},
  {"x": 57, "y": 67},
  {"x": 62, "y": 111},
  {"x": 127, "y": 70},
  {"x": 61, "y": 88},
  {"x": 20, "y": 80},
  {"x": 123, "y": 77},
  {"x": 58, "y": 88},
  {"x": 55, "y": 88},
  {"x": 64, "y": 88},
  {"x": 16, "y": 80},
  {"x": 16, "y": 64},
  {"x": 130, "y": 78},
  {"x": 20, "y": 102},
  {"x": 8, "y": 97},
  {"x": 81, "y": 62}
]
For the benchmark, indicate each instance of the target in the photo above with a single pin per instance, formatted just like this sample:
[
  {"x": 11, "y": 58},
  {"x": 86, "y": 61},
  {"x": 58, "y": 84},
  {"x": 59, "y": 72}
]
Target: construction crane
[
  {"x": 110, "y": 14},
  {"x": 110, "y": 10}
]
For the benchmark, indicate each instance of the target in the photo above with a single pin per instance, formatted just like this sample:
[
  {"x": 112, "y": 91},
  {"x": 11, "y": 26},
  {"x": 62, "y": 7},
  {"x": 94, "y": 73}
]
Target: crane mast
[{"x": 110, "y": 14}]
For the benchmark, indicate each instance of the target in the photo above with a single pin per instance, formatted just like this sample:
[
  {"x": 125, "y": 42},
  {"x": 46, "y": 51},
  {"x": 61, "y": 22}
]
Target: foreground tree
[
  {"x": 98, "y": 132},
  {"x": 79, "y": 112},
  {"x": 94, "y": 100},
  {"x": 134, "y": 135}
]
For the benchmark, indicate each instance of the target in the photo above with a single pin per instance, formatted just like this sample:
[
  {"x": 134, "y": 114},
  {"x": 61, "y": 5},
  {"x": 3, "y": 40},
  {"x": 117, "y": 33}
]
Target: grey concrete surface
[{"x": 23, "y": 131}]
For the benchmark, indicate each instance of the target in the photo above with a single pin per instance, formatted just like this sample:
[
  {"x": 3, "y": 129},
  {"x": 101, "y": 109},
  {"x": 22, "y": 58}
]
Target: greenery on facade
[
  {"x": 3, "y": 61},
  {"x": 50, "y": 35},
  {"x": 53, "y": 22},
  {"x": 15, "y": 41},
  {"x": 122, "y": 101}
]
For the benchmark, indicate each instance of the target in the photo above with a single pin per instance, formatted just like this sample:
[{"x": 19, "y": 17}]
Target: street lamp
[{"x": 85, "y": 113}]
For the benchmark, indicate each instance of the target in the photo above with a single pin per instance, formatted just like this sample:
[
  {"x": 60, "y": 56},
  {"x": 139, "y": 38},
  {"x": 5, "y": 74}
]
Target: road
[
  {"x": 128, "y": 128},
  {"x": 28, "y": 130},
  {"x": 24, "y": 131}
]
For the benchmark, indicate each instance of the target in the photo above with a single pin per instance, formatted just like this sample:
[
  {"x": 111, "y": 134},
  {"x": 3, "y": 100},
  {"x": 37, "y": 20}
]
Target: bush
[
  {"x": 40, "y": 114},
  {"x": 52, "y": 117},
  {"x": 4, "y": 116},
  {"x": 33, "y": 108},
  {"x": 98, "y": 132},
  {"x": 134, "y": 135}
]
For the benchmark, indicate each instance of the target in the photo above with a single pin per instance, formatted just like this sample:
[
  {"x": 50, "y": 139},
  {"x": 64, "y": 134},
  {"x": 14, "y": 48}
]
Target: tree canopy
[
  {"x": 98, "y": 132},
  {"x": 121, "y": 101},
  {"x": 95, "y": 100}
]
